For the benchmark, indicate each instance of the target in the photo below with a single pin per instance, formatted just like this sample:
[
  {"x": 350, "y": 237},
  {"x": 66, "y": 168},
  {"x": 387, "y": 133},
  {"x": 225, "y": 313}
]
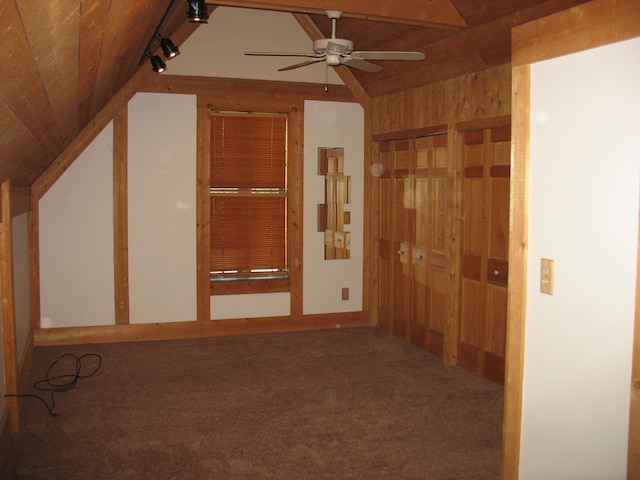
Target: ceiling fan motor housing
[{"x": 345, "y": 46}]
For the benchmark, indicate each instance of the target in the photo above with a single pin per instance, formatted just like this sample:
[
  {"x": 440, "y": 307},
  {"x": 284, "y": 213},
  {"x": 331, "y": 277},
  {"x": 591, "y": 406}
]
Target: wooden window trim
[{"x": 263, "y": 285}]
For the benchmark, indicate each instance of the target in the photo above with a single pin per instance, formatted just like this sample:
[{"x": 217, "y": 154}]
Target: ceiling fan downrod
[{"x": 334, "y": 15}]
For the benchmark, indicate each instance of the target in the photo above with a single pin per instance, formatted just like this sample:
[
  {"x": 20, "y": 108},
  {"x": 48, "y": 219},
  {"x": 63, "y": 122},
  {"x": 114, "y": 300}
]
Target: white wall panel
[
  {"x": 332, "y": 124},
  {"x": 584, "y": 190},
  {"x": 76, "y": 241},
  {"x": 21, "y": 281},
  {"x": 162, "y": 208}
]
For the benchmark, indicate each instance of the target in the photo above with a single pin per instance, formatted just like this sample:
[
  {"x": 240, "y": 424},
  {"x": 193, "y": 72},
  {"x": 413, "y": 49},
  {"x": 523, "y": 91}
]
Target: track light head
[
  {"x": 197, "y": 11},
  {"x": 169, "y": 48},
  {"x": 156, "y": 63}
]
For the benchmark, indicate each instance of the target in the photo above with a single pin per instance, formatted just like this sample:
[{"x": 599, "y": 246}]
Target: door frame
[{"x": 591, "y": 25}]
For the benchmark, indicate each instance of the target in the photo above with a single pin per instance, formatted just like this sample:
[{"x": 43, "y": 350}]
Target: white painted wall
[
  {"x": 21, "y": 288},
  {"x": 253, "y": 305},
  {"x": 332, "y": 124},
  {"x": 584, "y": 190},
  {"x": 162, "y": 208},
  {"x": 76, "y": 241},
  {"x": 76, "y": 216},
  {"x": 217, "y": 48}
]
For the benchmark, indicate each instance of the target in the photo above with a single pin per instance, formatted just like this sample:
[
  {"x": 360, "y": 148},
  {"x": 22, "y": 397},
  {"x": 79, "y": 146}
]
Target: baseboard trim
[{"x": 194, "y": 329}]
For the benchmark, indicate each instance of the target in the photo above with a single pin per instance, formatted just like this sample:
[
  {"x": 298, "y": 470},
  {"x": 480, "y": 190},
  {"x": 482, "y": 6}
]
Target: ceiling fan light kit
[{"x": 339, "y": 51}]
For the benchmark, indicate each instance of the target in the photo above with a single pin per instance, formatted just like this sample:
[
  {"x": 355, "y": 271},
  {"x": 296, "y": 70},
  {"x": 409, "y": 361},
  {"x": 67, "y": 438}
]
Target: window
[{"x": 248, "y": 194}]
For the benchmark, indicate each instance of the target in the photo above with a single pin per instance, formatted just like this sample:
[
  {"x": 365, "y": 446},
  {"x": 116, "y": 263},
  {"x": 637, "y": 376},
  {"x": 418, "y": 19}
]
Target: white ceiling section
[{"x": 217, "y": 48}]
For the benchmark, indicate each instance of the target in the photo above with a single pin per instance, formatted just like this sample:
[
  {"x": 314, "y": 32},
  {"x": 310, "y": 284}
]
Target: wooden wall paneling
[
  {"x": 120, "y": 216},
  {"x": 7, "y": 309},
  {"x": 470, "y": 97}
]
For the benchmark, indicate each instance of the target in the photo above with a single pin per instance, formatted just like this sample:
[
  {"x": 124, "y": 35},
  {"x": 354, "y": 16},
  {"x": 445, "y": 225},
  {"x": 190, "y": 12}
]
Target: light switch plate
[{"x": 546, "y": 276}]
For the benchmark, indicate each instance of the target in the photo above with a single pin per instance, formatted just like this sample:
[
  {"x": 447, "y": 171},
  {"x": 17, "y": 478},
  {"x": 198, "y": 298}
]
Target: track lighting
[
  {"x": 156, "y": 62},
  {"x": 169, "y": 48},
  {"x": 197, "y": 11}
]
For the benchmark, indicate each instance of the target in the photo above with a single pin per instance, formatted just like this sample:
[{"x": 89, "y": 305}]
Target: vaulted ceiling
[{"x": 63, "y": 60}]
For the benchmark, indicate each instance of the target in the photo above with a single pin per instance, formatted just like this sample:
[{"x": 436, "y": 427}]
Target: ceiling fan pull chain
[{"x": 326, "y": 77}]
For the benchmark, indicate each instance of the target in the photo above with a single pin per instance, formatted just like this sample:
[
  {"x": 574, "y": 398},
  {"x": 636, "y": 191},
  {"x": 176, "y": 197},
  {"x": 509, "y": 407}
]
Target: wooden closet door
[
  {"x": 430, "y": 258},
  {"x": 403, "y": 223},
  {"x": 485, "y": 243},
  {"x": 395, "y": 235},
  {"x": 385, "y": 236}
]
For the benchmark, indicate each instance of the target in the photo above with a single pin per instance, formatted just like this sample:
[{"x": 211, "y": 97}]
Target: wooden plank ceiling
[{"x": 63, "y": 60}]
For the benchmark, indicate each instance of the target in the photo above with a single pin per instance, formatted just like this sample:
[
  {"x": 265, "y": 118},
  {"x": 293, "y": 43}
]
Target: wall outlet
[{"x": 345, "y": 294}]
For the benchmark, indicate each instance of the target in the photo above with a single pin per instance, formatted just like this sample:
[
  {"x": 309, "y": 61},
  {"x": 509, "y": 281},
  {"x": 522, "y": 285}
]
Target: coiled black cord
[{"x": 62, "y": 382}]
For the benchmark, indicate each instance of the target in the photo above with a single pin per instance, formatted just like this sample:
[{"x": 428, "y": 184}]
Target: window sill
[{"x": 240, "y": 286}]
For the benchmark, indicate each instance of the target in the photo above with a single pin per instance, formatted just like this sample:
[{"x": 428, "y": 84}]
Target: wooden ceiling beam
[{"x": 435, "y": 13}]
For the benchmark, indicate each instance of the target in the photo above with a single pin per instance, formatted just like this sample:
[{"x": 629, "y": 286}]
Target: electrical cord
[{"x": 62, "y": 382}]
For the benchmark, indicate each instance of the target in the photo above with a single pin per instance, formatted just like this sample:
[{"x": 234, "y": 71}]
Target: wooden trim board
[
  {"x": 197, "y": 329},
  {"x": 10, "y": 355}
]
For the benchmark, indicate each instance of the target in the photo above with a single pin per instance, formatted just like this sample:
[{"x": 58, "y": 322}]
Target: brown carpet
[{"x": 335, "y": 404}]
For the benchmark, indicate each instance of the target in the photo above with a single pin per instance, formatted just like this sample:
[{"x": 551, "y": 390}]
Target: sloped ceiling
[{"x": 63, "y": 60}]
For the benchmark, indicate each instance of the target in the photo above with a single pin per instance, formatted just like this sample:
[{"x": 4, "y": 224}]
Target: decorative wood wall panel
[
  {"x": 485, "y": 244},
  {"x": 475, "y": 96},
  {"x": 466, "y": 103}
]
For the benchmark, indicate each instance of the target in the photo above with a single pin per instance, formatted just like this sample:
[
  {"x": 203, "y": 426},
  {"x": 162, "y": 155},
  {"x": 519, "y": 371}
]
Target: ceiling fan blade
[
  {"x": 361, "y": 65},
  {"x": 281, "y": 54},
  {"x": 298, "y": 65},
  {"x": 379, "y": 55}
]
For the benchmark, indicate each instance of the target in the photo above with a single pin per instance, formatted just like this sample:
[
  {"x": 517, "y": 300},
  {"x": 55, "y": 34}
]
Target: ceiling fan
[{"x": 338, "y": 51}]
